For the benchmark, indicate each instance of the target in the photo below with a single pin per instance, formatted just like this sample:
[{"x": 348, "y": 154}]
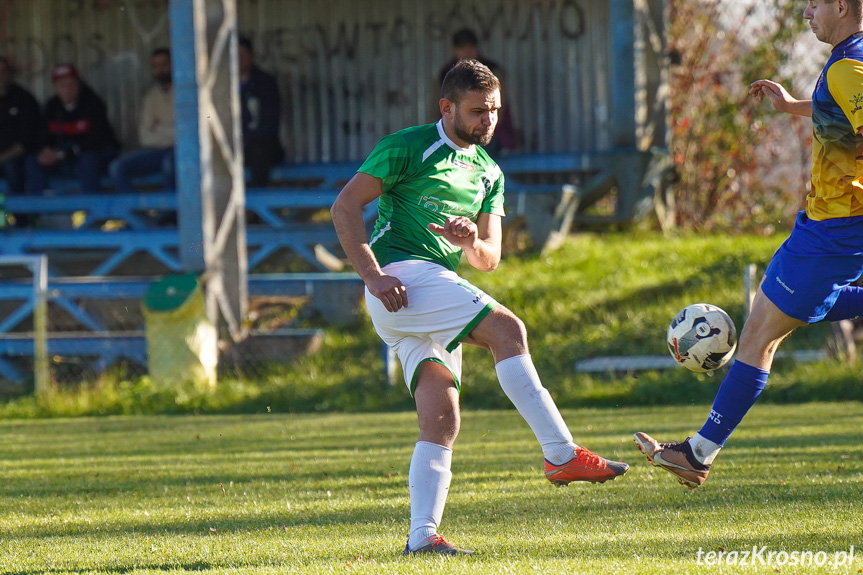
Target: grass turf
[
  {"x": 327, "y": 494},
  {"x": 599, "y": 295}
]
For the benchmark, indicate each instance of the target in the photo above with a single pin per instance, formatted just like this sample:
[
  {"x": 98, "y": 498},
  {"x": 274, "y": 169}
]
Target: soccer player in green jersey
[{"x": 440, "y": 196}]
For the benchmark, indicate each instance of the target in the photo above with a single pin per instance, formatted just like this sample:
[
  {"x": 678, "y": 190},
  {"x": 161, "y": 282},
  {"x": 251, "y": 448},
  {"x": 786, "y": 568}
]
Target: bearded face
[{"x": 475, "y": 117}]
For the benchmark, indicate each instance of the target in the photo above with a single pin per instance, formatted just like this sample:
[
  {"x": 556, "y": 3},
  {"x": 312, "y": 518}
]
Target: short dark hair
[
  {"x": 246, "y": 42},
  {"x": 468, "y": 76},
  {"x": 161, "y": 51},
  {"x": 464, "y": 37}
]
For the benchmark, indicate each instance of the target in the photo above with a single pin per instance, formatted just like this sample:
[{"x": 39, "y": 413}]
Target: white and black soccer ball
[{"x": 702, "y": 337}]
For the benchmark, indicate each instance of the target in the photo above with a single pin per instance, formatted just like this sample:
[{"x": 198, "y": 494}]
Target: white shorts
[{"x": 442, "y": 309}]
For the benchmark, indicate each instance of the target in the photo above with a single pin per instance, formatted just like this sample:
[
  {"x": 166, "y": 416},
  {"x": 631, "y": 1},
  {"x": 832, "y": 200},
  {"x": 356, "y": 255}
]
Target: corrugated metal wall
[
  {"x": 109, "y": 41},
  {"x": 350, "y": 71}
]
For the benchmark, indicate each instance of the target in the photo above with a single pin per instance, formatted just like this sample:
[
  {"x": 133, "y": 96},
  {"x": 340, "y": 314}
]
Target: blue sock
[
  {"x": 736, "y": 395},
  {"x": 848, "y": 305}
]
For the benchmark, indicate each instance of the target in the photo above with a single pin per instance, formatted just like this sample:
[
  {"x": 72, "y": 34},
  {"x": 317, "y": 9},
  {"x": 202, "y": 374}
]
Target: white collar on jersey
[{"x": 469, "y": 150}]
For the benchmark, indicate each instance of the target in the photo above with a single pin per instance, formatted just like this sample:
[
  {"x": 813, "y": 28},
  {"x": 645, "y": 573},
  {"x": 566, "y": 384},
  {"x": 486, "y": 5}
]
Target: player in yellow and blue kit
[{"x": 808, "y": 279}]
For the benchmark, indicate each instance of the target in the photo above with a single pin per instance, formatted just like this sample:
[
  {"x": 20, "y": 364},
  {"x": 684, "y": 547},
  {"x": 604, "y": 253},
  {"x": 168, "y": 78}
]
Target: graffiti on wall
[
  {"x": 337, "y": 61},
  {"x": 34, "y": 55},
  {"x": 347, "y": 75},
  {"x": 511, "y": 21}
]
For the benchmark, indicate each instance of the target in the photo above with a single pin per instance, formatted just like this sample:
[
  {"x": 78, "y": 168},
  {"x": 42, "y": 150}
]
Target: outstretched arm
[
  {"x": 347, "y": 212},
  {"x": 780, "y": 98},
  {"x": 480, "y": 241}
]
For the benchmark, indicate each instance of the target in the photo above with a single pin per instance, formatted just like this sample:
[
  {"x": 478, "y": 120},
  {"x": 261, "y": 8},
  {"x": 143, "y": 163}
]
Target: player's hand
[
  {"x": 458, "y": 231},
  {"x": 779, "y": 97},
  {"x": 390, "y": 290},
  {"x": 48, "y": 157}
]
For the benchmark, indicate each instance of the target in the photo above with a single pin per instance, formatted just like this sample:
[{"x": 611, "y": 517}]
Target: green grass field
[
  {"x": 310, "y": 493},
  {"x": 599, "y": 295}
]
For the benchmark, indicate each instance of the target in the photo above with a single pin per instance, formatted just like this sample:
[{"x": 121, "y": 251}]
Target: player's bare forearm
[
  {"x": 483, "y": 255},
  {"x": 799, "y": 108},
  {"x": 780, "y": 98},
  {"x": 347, "y": 213},
  {"x": 352, "y": 238}
]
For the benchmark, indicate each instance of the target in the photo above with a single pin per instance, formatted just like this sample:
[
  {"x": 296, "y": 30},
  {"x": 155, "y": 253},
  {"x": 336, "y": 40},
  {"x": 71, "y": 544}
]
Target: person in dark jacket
[
  {"x": 78, "y": 138},
  {"x": 261, "y": 110},
  {"x": 19, "y": 128},
  {"x": 465, "y": 46}
]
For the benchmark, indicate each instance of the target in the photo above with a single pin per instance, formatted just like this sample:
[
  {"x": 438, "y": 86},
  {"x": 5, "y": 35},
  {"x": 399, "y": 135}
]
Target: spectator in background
[
  {"x": 155, "y": 131},
  {"x": 261, "y": 108},
  {"x": 78, "y": 138},
  {"x": 465, "y": 46},
  {"x": 19, "y": 128}
]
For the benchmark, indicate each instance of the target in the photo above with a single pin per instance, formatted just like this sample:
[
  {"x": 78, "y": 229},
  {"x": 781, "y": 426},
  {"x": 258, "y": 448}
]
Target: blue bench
[
  {"x": 116, "y": 248},
  {"x": 274, "y": 207},
  {"x": 106, "y": 348},
  {"x": 551, "y": 204},
  {"x": 326, "y": 291},
  {"x": 98, "y": 208},
  {"x": 546, "y": 190},
  {"x": 327, "y": 294}
]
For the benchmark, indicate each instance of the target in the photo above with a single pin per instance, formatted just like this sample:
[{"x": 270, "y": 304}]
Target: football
[{"x": 702, "y": 337}]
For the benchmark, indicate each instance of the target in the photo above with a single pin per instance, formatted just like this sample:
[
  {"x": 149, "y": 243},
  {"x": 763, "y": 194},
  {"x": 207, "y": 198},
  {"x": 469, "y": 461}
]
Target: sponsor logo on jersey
[
  {"x": 444, "y": 207},
  {"x": 464, "y": 165},
  {"x": 484, "y": 188},
  {"x": 783, "y": 284},
  {"x": 431, "y": 203}
]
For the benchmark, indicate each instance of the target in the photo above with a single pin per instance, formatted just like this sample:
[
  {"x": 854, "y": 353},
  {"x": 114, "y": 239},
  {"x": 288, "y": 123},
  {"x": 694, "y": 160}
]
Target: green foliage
[
  {"x": 599, "y": 295},
  {"x": 277, "y": 493}
]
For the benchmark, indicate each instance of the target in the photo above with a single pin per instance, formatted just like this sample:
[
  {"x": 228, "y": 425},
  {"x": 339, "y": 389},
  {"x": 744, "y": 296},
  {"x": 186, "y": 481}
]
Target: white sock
[
  {"x": 519, "y": 380},
  {"x": 428, "y": 480},
  {"x": 704, "y": 450}
]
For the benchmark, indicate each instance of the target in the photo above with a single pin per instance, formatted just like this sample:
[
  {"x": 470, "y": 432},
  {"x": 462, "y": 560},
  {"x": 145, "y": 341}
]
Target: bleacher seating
[
  {"x": 543, "y": 189},
  {"x": 93, "y": 337}
]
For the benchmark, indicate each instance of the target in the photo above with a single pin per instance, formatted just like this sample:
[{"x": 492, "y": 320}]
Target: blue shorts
[{"x": 817, "y": 260}]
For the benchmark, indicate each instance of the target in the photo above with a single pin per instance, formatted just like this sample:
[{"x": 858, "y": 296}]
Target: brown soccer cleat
[{"x": 676, "y": 458}]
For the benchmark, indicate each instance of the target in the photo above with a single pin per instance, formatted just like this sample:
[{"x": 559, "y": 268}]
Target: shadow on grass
[{"x": 580, "y": 501}]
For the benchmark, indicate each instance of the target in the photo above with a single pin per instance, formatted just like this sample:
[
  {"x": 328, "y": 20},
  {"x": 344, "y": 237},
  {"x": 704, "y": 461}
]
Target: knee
[
  {"x": 766, "y": 326},
  {"x": 517, "y": 328},
  {"x": 442, "y": 427},
  {"x": 508, "y": 329}
]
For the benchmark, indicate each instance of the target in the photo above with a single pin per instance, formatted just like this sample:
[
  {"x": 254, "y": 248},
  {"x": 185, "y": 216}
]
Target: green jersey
[{"x": 427, "y": 178}]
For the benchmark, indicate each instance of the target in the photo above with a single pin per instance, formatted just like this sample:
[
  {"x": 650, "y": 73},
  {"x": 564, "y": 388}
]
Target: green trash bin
[{"x": 182, "y": 343}]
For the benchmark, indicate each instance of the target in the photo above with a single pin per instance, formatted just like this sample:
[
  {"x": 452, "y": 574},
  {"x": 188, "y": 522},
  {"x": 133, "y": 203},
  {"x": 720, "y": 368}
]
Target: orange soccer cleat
[{"x": 584, "y": 466}]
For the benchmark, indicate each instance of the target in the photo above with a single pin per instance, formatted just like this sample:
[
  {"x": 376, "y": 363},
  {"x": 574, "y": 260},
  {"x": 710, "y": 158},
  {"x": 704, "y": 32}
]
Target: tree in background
[{"x": 740, "y": 164}]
